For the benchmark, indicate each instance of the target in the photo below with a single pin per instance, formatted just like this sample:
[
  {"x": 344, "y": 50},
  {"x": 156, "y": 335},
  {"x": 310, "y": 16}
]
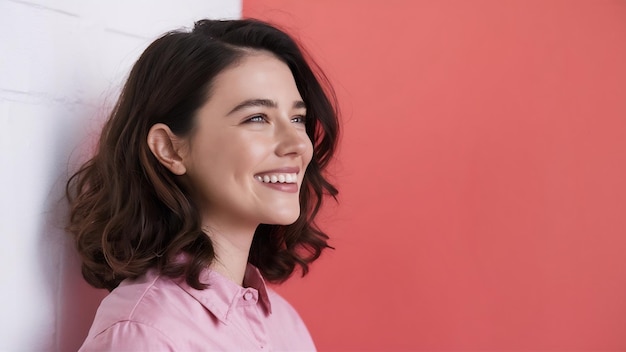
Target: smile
[{"x": 278, "y": 178}]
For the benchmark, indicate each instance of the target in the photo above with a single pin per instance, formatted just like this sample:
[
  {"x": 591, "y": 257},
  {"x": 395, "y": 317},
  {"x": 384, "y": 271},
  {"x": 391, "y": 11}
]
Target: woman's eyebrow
[{"x": 299, "y": 104}]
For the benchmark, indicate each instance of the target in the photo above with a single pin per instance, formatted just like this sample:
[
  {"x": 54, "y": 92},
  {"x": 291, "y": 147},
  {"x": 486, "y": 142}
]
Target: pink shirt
[{"x": 156, "y": 313}]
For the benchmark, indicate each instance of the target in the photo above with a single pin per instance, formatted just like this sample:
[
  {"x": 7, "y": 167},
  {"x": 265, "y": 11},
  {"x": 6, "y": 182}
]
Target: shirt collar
[
  {"x": 222, "y": 295},
  {"x": 254, "y": 279}
]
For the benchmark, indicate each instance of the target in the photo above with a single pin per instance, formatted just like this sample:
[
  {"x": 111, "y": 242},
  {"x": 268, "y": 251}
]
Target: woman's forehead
[{"x": 259, "y": 76}]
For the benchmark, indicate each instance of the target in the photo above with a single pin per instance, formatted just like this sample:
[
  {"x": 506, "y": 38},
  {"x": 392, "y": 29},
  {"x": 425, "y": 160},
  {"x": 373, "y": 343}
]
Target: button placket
[{"x": 251, "y": 323}]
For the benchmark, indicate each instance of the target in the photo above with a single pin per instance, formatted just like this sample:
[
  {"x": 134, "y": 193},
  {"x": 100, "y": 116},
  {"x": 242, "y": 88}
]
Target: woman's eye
[
  {"x": 299, "y": 119},
  {"x": 257, "y": 118}
]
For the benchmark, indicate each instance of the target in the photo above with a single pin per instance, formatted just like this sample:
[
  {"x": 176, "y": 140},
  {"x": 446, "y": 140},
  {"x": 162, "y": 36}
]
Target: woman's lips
[
  {"x": 283, "y": 187},
  {"x": 283, "y": 179}
]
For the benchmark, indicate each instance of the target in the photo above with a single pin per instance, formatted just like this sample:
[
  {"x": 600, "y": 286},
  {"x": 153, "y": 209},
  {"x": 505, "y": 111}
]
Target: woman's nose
[{"x": 292, "y": 139}]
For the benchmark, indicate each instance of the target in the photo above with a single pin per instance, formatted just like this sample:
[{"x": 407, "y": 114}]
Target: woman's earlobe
[{"x": 164, "y": 146}]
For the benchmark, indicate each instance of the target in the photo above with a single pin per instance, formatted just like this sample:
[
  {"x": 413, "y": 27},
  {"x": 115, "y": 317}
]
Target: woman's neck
[{"x": 232, "y": 248}]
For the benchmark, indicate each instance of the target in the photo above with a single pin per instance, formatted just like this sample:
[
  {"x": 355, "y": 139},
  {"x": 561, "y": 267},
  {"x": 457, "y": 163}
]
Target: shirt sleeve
[{"x": 128, "y": 336}]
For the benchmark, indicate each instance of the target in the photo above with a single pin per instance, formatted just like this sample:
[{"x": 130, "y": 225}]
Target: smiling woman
[
  {"x": 255, "y": 120},
  {"x": 206, "y": 184}
]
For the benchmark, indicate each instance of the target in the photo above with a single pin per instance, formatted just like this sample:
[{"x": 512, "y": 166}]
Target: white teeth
[{"x": 278, "y": 178}]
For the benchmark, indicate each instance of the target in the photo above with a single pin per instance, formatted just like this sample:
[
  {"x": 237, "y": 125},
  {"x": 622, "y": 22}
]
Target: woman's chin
[{"x": 284, "y": 219}]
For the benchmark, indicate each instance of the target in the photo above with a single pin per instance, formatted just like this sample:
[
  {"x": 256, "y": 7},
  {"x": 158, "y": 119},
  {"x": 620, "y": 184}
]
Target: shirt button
[{"x": 248, "y": 296}]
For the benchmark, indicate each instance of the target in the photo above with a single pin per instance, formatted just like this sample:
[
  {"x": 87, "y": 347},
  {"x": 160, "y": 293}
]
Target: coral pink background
[{"x": 482, "y": 174}]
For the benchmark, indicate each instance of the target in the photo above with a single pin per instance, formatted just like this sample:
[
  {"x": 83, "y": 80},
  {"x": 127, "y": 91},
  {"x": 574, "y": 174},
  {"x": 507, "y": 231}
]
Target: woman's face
[{"x": 246, "y": 157}]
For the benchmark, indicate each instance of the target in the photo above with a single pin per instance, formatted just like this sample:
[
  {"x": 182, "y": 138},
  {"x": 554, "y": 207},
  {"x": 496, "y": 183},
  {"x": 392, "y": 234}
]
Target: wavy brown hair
[{"x": 129, "y": 214}]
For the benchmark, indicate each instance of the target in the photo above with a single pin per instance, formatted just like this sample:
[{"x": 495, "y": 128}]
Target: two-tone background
[{"x": 482, "y": 166}]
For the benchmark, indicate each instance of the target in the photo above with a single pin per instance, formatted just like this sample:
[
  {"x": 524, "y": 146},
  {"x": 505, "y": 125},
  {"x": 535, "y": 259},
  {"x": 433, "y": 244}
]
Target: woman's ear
[{"x": 165, "y": 146}]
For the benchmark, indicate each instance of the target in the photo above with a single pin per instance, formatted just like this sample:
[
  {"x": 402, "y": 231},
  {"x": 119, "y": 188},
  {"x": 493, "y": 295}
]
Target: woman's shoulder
[
  {"x": 140, "y": 305},
  {"x": 287, "y": 320},
  {"x": 139, "y": 299},
  {"x": 279, "y": 303},
  {"x": 129, "y": 336}
]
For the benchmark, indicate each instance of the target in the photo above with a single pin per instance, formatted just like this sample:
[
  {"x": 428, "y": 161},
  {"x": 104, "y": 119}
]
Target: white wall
[{"x": 62, "y": 63}]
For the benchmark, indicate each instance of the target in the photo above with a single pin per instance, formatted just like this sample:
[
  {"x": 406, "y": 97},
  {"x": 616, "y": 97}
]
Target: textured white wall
[{"x": 62, "y": 63}]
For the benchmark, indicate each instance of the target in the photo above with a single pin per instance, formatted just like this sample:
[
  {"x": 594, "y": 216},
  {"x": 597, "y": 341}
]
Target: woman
[{"x": 205, "y": 184}]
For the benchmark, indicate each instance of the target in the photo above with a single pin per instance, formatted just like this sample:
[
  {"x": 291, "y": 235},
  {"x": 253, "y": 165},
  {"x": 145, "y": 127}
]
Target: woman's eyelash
[
  {"x": 256, "y": 118},
  {"x": 262, "y": 118},
  {"x": 300, "y": 119}
]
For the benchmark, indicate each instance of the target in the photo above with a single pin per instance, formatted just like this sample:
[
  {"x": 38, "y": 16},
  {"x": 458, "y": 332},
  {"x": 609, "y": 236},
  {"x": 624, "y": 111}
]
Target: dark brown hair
[{"x": 128, "y": 213}]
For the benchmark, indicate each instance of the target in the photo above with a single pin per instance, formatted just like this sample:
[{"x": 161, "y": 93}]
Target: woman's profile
[{"x": 204, "y": 186}]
